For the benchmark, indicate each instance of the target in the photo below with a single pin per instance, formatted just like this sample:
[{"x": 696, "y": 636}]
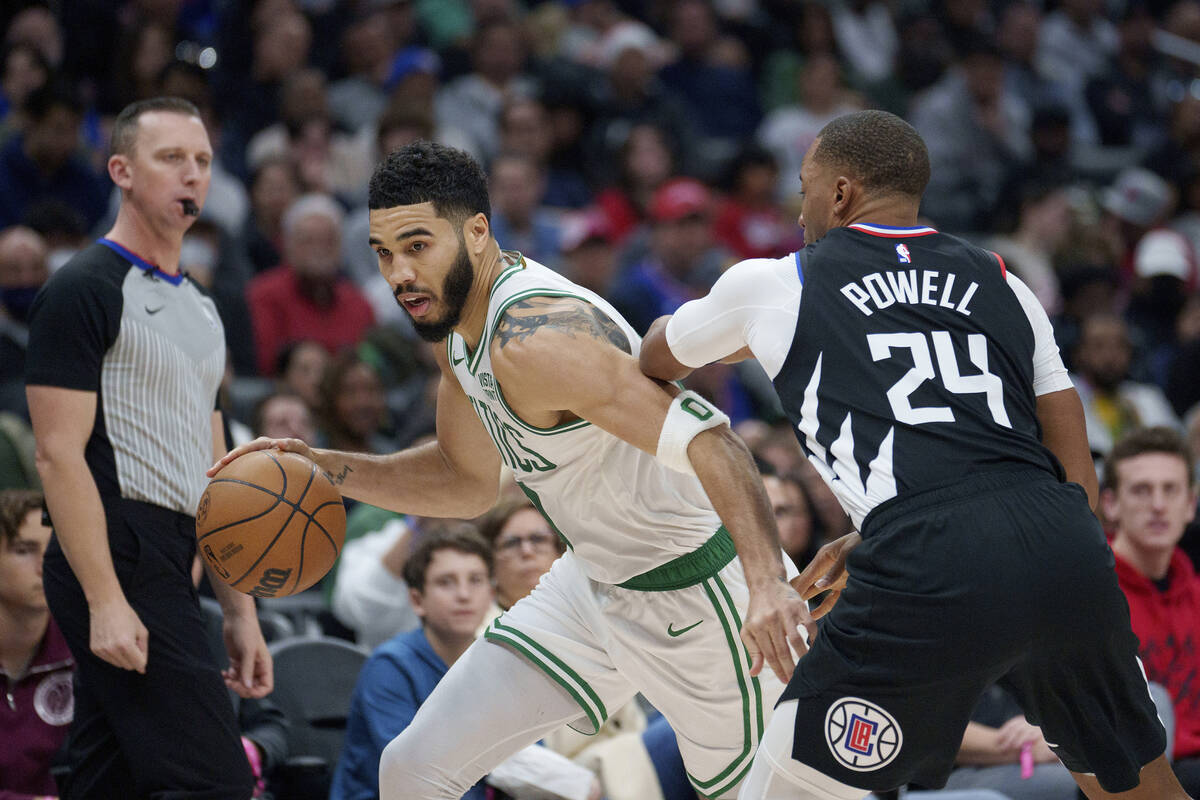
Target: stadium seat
[{"x": 314, "y": 678}]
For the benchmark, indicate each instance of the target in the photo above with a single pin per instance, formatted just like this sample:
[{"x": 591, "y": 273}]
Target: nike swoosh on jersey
[
  {"x": 681, "y": 631},
  {"x": 153, "y": 311}
]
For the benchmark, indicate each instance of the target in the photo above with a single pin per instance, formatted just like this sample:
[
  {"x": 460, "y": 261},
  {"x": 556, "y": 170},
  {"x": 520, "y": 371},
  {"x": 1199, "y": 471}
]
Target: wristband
[{"x": 688, "y": 415}]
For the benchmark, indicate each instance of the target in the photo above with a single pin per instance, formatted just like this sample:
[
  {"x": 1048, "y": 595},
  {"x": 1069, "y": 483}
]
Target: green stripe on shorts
[
  {"x": 555, "y": 667},
  {"x": 737, "y": 768}
]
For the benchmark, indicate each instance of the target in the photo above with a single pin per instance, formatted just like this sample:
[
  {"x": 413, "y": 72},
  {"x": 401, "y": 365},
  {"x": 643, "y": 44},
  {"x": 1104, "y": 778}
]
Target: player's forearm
[
  {"x": 655, "y": 358},
  {"x": 79, "y": 523},
  {"x": 418, "y": 480},
  {"x": 731, "y": 481}
]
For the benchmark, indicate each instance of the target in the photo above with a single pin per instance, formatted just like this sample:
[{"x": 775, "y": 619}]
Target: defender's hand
[{"x": 827, "y": 573}]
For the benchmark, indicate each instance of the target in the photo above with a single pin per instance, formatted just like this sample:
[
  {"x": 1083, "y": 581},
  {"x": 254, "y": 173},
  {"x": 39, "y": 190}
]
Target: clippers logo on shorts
[
  {"x": 903, "y": 254},
  {"x": 54, "y": 699},
  {"x": 861, "y": 735}
]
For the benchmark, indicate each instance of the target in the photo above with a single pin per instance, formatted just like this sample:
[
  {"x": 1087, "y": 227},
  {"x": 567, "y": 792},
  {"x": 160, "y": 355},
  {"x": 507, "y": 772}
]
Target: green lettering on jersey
[{"x": 508, "y": 441}]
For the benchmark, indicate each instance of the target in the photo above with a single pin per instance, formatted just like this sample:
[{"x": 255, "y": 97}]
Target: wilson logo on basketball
[
  {"x": 861, "y": 735},
  {"x": 270, "y": 582}
]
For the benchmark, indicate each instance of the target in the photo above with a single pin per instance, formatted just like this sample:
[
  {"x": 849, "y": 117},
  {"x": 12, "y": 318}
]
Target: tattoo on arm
[
  {"x": 339, "y": 477},
  {"x": 573, "y": 317}
]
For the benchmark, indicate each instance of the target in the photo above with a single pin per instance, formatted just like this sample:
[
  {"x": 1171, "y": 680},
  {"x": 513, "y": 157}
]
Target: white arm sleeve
[
  {"x": 1049, "y": 374},
  {"x": 754, "y": 303}
]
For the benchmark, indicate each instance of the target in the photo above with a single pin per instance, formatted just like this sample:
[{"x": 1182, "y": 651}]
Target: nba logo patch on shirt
[
  {"x": 860, "y": 734},
  {"x": 903, "y": 254}
]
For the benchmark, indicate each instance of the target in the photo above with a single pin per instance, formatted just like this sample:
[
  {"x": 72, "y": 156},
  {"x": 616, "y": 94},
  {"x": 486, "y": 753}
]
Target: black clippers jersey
[{"x": 911, "y": 365}]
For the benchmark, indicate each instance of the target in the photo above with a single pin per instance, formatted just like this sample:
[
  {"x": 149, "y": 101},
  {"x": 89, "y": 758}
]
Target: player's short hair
[
  {"x": 125, "y": 128},
  {"x": 443, "y": 535},
  {"x": 1159, "y": 439},
  {"x": 879, "y": 149},
  {"x": 15, "y": 505},
  {"x": 428, "y": 172}
]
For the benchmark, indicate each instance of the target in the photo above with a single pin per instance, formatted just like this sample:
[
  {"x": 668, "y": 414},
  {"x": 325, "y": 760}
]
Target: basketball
[{"x": 270, "y": 523}]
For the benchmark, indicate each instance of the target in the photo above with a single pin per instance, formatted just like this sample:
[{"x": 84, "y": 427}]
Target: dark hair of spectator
[
  {"x": 399, "y": 116},
  {"x": 15, "y": 505},
  {"x": 256, "y": 416},
  {"x": 448, "y": 535},
  {"x": 56, "y": 220},
  {"x": 197, "y": 78},
  {"x": 879, "y": 149},
  {"x": 427, "y": 172},
  {"x": 1158, "y": 439},
  {"x": 275, "y": 160},
  {"x": 751, "y": 155},
  {"x": 54, "y": 93},
  {"x": 124, "y": 132},
  {"x": 491, "y": 523},
  {"x": 331, "y": 387},
  {"x": 286, "y": 352}
]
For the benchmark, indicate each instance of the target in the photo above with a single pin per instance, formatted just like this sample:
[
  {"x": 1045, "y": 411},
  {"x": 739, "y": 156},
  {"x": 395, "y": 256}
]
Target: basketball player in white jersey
[{"x": 647, "y": 485}]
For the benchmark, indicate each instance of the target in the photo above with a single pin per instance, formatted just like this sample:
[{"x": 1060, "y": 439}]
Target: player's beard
[{"x": 455, "y": 289}]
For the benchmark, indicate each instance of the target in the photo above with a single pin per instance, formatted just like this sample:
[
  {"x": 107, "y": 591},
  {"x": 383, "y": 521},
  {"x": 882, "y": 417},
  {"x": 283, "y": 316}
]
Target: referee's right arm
[{"x": 62, "y": 423}]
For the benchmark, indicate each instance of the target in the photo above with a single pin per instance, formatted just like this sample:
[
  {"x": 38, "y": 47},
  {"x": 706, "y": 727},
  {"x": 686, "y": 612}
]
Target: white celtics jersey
[{"x": 621, "y": 511}]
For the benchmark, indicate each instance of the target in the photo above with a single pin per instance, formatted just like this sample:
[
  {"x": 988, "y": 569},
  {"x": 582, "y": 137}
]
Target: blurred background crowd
[{"x": 639, "y": 147}]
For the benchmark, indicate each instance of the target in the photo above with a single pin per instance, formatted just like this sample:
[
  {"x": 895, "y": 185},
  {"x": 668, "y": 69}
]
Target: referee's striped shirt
[{"x": 152, "y": 348}]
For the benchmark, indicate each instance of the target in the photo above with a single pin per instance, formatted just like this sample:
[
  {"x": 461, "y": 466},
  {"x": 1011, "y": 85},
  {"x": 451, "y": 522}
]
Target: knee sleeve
[{"x": 775, "y": 775}]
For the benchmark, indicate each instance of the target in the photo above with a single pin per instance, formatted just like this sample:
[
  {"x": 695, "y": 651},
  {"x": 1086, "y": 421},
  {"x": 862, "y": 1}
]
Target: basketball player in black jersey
[{"x": 926, "y": 388}]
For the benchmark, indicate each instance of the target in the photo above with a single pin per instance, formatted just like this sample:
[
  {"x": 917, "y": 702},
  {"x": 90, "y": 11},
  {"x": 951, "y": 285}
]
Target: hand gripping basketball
[{"x": 270, "y": 523}]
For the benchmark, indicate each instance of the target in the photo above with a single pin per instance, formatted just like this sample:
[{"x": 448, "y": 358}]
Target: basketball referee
[
  {"x": 125, "y": 356},
  {"x": 927, "y": 390}
]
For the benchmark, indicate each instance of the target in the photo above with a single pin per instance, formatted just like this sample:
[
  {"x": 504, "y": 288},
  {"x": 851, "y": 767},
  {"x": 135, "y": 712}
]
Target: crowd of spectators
[{"x": 639, "y": 147}]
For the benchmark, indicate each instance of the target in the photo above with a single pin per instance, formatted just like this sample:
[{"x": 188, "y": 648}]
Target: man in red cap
[{"x": 682, "y": 261}]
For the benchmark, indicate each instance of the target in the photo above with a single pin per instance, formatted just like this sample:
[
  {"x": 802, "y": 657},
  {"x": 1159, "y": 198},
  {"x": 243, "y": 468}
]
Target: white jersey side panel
[{"x": 620, "y": 510}]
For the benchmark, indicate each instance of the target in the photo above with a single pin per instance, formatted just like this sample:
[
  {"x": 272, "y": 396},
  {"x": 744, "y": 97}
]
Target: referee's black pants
[{"x": 168, "y": 733}]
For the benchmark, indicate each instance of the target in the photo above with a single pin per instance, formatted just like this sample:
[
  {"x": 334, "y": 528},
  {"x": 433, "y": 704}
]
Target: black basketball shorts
[{"x": 1004, "y": 577}]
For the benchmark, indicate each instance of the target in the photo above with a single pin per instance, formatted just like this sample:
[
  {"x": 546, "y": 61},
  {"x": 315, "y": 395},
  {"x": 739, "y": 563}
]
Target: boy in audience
[
  {"x": 35, "y": 662},
  {"x": 1149, "y": 498}
]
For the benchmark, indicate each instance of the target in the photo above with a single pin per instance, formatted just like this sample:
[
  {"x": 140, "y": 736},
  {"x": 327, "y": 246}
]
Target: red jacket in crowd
[
  {"x": 35, "y": 716},
  {"x": 282, "y": 314},
  {"x": 1168, "y": 626}
]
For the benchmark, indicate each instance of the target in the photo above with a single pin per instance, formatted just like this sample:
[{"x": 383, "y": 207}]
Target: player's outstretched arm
[
  {"x": 455, "y": 476},
  {"x": 562, "y": 355},
  {"x": 715, "y": 328},
  {"x": 656, "y": 358}
]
